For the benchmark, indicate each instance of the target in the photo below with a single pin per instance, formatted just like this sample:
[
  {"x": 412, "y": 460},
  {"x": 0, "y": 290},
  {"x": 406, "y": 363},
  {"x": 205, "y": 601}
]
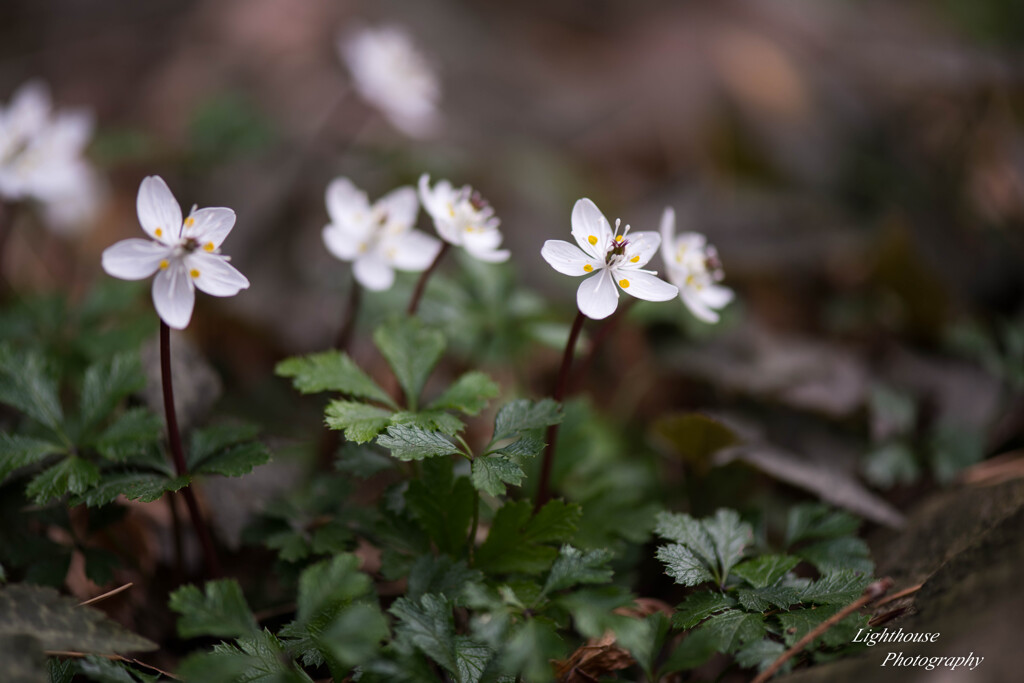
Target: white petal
[
  {"x": 159, "y": 211},
  {"x": 597, "y": 296},
  {"x": 174, "y": 295},
  {"x": 435, "y": 200},
  {"x": 489, "y": 255},
  {"x": 373, "y": 272},
  {"x": 215, "y": 276},
  {"x": 412, "y": 251},
  {"x": 29, "y": 109},
  {"x": 401, "y": 206},
  {"x": 668, "y": 233},
  {"x": 696, "y": 306},
  {"x": 716, "y": 296},
  {"x": 641, "y": 246},
  {"x": 341, "y": 242},
  {"x": 134, "y": 259},
  {"x": 646, "y": 286},
  {"x": 566, "y": 258},
  {"x": 345, "y": 200},
  {"x": 210, "y": 225},
  {"x": 479, "y": 240},
  {"x": 590, "y": 228}
]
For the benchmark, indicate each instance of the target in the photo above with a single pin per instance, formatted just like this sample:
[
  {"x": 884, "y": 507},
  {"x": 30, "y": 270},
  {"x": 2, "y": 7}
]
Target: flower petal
[
  {"x": 412, "y": 251},
  {"x": 158, "y": 210},
  {"x": 174, "y": 295},
  {"x": 597, "y": 296},
  {"x": 668, "y": 233},
  {"x": 134, "y": 259},
  {"x": 483, "y": 252},
  {"x": 214, "y": 275},
  {"x": 716, "y": 296},
  {"x": 210, "y": 225},
  {"x": 341, "y": 242},
  {"x": 646, "y": 286},
  {"x": 697, "y": 306},
  {"x": 401, "y": 206},
  {"x": 567, "y": 259},
  {"x": 373, "y": 272},
  {"x": 345, "y": 201},
  {"x": 590, "y": 228},
  {"x": 641, "y": 248}
]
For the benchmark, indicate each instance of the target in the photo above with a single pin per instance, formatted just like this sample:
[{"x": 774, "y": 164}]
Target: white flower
[
  {"x": 615, "y": 259},
  {"x": 41, "y": 157},
  {"x": 378, "y": 238},
  {"x": 185, "y": 254},
  {"x": 463, "y": 218},
  {"x": 693, "y": 266},
  {"x": 391, "y": 74}
]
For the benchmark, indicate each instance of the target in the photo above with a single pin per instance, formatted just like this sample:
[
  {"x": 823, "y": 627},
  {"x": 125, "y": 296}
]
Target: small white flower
[
  {"x": 391, "y": 74},
  {"x": 615, "y": 259},
  {"x": 185, "y": 254},
  {"x": 693, "y": 266},
  {"x": 378, "y": 238},
  {"x": 463, "y": 218},
  {"x": 41, "y": 157}
]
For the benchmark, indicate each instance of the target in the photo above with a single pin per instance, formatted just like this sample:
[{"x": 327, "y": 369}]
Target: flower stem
[
  {"x": 6, "y": 223},
  {"x": 603, "y": 332},
  {"x": 544, "y": 491},
  {"x": 180, "y": 466},
  {"x": 471, "y": 541},
  {"x": 348, "y": 324},
  {"x": 417, "y": 294}
]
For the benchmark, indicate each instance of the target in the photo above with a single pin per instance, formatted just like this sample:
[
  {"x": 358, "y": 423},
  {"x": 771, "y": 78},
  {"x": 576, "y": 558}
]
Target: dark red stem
[
  {"x": 348, "y": 325},
  {"x": 417, "y": 294},
  {"x": 544, "y": 490},
  {"x": 180, "y": 466}
]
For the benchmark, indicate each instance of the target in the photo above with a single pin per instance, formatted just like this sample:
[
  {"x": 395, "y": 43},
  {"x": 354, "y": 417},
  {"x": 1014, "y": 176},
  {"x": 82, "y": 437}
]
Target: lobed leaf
[
  {"x": 331, "y": 371},
  {"x": 523, "y": 415},
  {"x": 220, "y": 610},
  {"x": 70, "y": 475},
  {"x": 28, "y": 384},
  {"x": 468, "y": 395},
  {"x": 683, "y": 565},
  {"x": 142, "y": 486},
  {"x": 412, "y": 350},
  {"x": 408, "y": 442},
  {"x": 573, "y": 567},
  {"x": 699, "y": 606},
  {"x": 106, "y": 383},
  {"x": 17, "y": 451},
  {"x": 491, "y": 473},
  {"x": 765, "y": 570}
]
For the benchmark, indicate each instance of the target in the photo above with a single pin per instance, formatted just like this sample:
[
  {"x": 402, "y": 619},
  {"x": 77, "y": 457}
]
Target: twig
[
  {"x": 421, "y": 285},
  {"x": 113, "y": 658},
  {"x": 871, "y": 593},
  {"x": 108, "y": 594},
  {"x": 901, "y": 594}
]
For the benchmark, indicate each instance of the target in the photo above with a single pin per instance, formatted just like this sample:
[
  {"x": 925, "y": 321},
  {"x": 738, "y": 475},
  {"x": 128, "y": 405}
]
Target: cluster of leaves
[{"x": 757, "y": 606}]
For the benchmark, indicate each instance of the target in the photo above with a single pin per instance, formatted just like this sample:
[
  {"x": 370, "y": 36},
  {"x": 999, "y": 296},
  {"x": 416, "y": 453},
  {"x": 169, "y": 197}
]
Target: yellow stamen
[
  {"x": 209, "y": 246},
  {"x": 588, "y": 268},
  {"x": 194, "y": 272},
  {"x": 592, "y": 239},
  {"x": 451, "y": 211},
  {"x": 164, "y": 265},
  {"x": 635, "y": 259},
  {"x": 159, "y": 232},
  {"x": 623, "y": 283},
  {"x": 189, "y": 222},
  {"x": 618, "y": 238},
  {"x": 690, "y": 280}
]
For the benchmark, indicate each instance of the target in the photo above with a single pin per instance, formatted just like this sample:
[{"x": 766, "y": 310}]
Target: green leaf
[
  {"x": 18, "y": 451},
  {"x": 554, "y": 523},
  {"x": 361, "y": 422},
  {"x": 430, "y": 420},
  {"x": 142, "y": 486},
  {"x": 412, "y": 350},
  {"x": 515, "y": 541},
  {"x": 761, "y": 599},
  {"x": 526, "y": 447},
  {"x": 683, "y": 566},
  {"x": 812, "y": 521},
  {"x": 70, "y": 475},
  {"x": 440, "y": 575},
  {"x": 836, "y": 554},
  {"x": 257, "y": 658},
  {"x": 523, "y": 415},
  {"x": 407, "y": 442},
  {"x": 354, "y": 635},
  {"x": 29, "y": 385},
  {"x": 103, "y": 670},
  {"x": 331, "y": 371},
  {"x": 799, "y": 622},
  {"x": 699, "y": 606},
  {"x": 211, "y": 441},
  {"x": 134, "y": 433},
  {"x": 106, "y": 383},
  {"x": 838, "y": 588},
  {"x": 760, "y": 654},
  {"x": 23, "y": 659},
  {"x": 730, "y": 537},
  {"x": 765, "y": 570},
  {"x": 573, "y": 567},
  {"x": 891, "y": 464},
  {"x": 733, "y": 629},
  {"x": 444, "y": 511},
  {"x": 697, "y": 648},
  {"x": 491, "y": 473},
  {"x": 469, "y": 394},
  {"x": 694, "y": 437},
  {"x": 531, "y": 648},
  {"x": 327, "y": 586},
  {"x": 428, "y": 626},
  {"x": 471, "y": 658},
  {"x": 220, "y": 610},
  {"x": 235, "y": 461},
  {"x": 953, "y": 448},
  {"x": 687, "y": 531},
  {"x": 59, "y": 623}
]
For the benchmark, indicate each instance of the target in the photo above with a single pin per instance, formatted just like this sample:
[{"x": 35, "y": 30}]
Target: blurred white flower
[
  {"x": 393, "y": 76},
  {"x": 615, "y": 259},
  {"x": 694, "y": 268},
  {"x": 185, "y": 254},
  {"x": 463, "y": 218},
  {"x": 378, "y": 238},
  {"x": 41, "y": 158}
]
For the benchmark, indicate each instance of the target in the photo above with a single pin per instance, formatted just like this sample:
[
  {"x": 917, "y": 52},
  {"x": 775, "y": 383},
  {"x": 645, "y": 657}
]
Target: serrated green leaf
[
  {"x": 430, "y": 420},
  {"x": 471, "y": 658},
  {"x": 687, "y": 531},
  {"x": 135, "y": 432},
  {"x": 29, "y": 385},
  {"x": 102, "y": 670},
  {"x": 354, "y": 635},
  {"x": 573, "y": 567},
  {"x": 235, "y": 460},
  {"x": 220, "y": 610},
  {"x": 331, "y": 371},
  {"x": 761, "y": 599},
  {"x": 891, "y": 464},
  {"x": 799, "y": 622},
  {"x": 765, "y": 570},
  {"x": 428, "y": 625},
  {"x": 327, "y": 586},
  {"x": 730, "y": 537},
  {"x": 836, "y": 554},
  {"x": 699, "y": 606},
  {"x": 527, "y": 447},
  {"x": 523, "y": 415},
  {"x": 491, "y": 473},
  {"x": 760, "y": 654},
  {"x": 531, "y": 648},
  {"x": 70, "y": 475},
  {"x": 440, "y": 575},
  {"x": 469, "y": 394},
  {"x": 60, "y": 623},
  {"x": 697, "y": 648},
  {"x": 444, "y": 511},
  {"x": 407, "y": 442},
  {"x": 554, "y": 523},
  {"x": 211, "y": 441},
  {"x": 106, "y": 383},
  {"x": 594, "y": 614},
  {"x": 23, "y": 659},
  {"x": 360, "y": 422},
  {"x": 142, "y": 486},
  {"x": 18, "y": 451},
  {"x": 815, "y": 521},
  {"x": 515, "y": 541},
  {"x": 733, "y": 629},
  {"x": 682, "y": 565},
  {"x": 838, "y": 588},
  {"x": 412, "y": 350},
  {"x": 257, "y": 658}
]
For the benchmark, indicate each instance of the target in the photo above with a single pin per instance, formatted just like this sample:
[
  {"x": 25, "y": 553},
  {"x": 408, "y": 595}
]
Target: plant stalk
[
  {"x": 421, "y": 285},
  {"x": 544, "y": 490},
  {"x": 178, "y": 455},
  {"x": 348, "y": 324}
]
